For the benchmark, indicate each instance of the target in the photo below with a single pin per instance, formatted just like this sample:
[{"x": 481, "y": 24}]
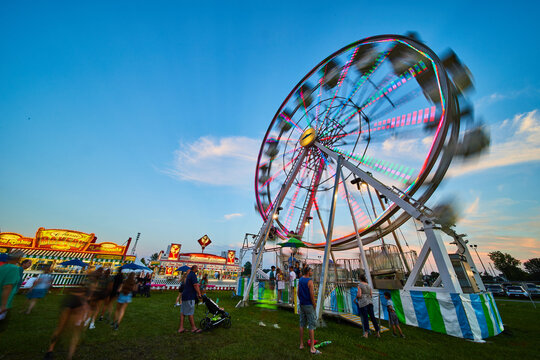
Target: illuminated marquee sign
[
  {"x": 169, "y": 270},
  {"x": 15, "y": 240},
  {"x": 108, "y": 257},
  {"x": 131, "y": 258},
  {"x": 174, "y": 251},
  {"x": 56, "y": 239},
  {"x": 230, "y": 256},
  {"x": 106, "y": 247},
  {"x": 204, "y": 241}
]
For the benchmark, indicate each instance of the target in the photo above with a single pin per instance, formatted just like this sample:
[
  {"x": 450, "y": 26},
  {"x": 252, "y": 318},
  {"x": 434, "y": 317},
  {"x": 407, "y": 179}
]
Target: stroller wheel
[
  {"x": 205, "y": 324},
  {"x": 227, "y": 323}
]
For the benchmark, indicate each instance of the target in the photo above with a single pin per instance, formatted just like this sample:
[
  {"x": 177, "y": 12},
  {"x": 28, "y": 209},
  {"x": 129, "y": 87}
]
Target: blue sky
[{"x": 144, "y": 117}]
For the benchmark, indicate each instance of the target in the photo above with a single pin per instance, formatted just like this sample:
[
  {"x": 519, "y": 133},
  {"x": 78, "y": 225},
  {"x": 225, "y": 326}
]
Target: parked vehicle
[
  {"x": 516, "y": 290},
  {"x": 496, "y": 289},
  {"x": 532, "y": 289}
]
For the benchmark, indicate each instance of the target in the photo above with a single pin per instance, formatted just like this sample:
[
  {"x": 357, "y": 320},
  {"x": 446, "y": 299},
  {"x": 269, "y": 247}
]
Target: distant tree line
[{"x": 509, "y": 267}]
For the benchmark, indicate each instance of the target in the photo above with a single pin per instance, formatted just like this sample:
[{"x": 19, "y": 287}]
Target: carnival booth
[
  {"x": 50, "y": 247},
  {"x": 218, "y": 268}
]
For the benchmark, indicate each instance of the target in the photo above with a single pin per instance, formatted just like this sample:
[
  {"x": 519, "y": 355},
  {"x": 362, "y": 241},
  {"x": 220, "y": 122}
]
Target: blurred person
[
  {"x": 181, "y": 288},
  {"x": 100, "y": 294},
  {"x": 147, "y": 284},
  {"x": 189, "y": 295},
  {"x": 306, "y": 309},
  {"x": 71, "y": 319},
  {"x": 92, "y": 281},
  {"x": 113, "y": 295},
  {"x": 39, "y": 289},
  {"x": 364, "y": 301},
  {"x": 10, "y": 280},
  {"x": 124, "y": 298}
]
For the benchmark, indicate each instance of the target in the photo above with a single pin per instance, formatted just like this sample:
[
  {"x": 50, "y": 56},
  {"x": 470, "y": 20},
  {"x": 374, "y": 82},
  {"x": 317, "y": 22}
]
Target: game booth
[
  {"x": 51, "y": 247},
  {"x": 222, "y": 271}
]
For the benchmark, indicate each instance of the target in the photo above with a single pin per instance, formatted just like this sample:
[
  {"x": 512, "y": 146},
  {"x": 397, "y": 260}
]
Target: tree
[
  {"x": 532, "y": 266},
  {"x": 508, "y": 265},
  {"x": 247, "y": 269},
  {"x": 154, "y": 257},
  {"x": 143, "y": 260}
]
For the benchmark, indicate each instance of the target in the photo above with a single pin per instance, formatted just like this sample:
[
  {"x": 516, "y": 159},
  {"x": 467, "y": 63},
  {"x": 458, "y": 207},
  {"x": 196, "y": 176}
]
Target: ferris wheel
[
  {"x": 358, "y": 147},
  {"x": 387, "y": 106}
]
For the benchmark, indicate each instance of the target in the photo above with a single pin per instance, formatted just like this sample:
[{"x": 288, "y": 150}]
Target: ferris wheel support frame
[
  {"x": 260, "y": 242},
  {"x": 434, "y": 243}
]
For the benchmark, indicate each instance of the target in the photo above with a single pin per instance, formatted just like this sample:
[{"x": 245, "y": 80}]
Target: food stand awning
[{"x": 57, "y": 255}]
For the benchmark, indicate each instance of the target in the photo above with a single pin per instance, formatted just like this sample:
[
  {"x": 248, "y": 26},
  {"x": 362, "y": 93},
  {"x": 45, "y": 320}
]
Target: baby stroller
[{"x": 215, "y": 316}]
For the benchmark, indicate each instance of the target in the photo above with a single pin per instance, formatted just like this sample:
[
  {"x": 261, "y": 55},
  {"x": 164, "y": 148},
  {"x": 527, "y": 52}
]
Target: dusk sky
[{"x": 126, "y": 117}]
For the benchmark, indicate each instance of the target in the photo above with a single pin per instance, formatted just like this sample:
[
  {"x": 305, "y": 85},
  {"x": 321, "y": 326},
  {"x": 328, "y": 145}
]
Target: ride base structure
[{"x": 457, "y": 303}]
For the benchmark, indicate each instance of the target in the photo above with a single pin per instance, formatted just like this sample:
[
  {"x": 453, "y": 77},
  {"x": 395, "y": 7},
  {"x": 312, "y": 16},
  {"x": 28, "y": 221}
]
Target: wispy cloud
[
  {"x": 509, "y": 95},
  {"x": 227, "y": 161},
  {"x": 232, "y": 216},
  {"x": 522, "y": 146},
  {"x": 473, "y": 207}
]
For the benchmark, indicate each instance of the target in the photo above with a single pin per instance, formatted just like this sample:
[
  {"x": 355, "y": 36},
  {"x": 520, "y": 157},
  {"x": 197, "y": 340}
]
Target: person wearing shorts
[
  {"x": 392, "y": 316},
  {"x": 189, "y": 295},
  {"x": 124, "y": 298},
  {"x": 306, "y": 310}
]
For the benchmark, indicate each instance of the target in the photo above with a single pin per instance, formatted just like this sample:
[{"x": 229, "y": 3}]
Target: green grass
[{"x": 149, "y": 332}]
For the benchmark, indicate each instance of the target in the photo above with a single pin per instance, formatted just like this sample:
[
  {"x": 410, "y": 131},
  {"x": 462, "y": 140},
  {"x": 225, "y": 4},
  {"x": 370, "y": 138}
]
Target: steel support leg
[{"x": 324, "y": 270}]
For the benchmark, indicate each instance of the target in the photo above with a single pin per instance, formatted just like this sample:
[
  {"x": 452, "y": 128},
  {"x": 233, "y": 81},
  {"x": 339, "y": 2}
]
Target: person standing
[
  {"x": 189, "y": 295},
  {"x": 280, "y": 284},
  {"x": 10, "y": 280},
  {"x": 272, "y": 278},
  {"x": 292, "y": 277},
  {"x": 392, "y": 316},
  {"x": 364, "y": 301},
  {"x": 39, "y": 289},
  {"x": 306, "y": 310}
]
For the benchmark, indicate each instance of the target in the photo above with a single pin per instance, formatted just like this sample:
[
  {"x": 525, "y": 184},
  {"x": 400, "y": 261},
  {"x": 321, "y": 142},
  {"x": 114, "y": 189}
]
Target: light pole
[{"x": 476, "y": 251}]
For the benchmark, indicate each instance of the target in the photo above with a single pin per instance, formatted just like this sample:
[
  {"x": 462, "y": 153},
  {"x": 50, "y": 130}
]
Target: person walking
[
  {"x": 74, "y": 308},
  {"x": 124, "y": 298},
  {"x": 189, "y": 295},
  {"x": 39, "y": 289},
  {"x": 100, "y": 295},
  {"x": 306, "y": 310},
  {"x": 10, "y": 280},
  {"x": 113, "y": 295},
  {"x": 364, "y": 301}
]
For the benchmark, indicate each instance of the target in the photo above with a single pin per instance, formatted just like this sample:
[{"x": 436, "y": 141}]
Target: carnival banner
[
  {"x": 204, "y": 241},
  {"x": 57, "y": 239},
  {"x": 106, "y": 248},
  {"x": 14, "y": 240},
  {"x": 174, "y": 251},
  {"x": 230, "y": 256}
]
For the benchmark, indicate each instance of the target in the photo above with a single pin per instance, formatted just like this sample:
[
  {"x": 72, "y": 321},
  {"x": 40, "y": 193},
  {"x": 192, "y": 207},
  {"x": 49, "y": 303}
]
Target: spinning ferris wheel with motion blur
[{"x": 361, "y": 143}]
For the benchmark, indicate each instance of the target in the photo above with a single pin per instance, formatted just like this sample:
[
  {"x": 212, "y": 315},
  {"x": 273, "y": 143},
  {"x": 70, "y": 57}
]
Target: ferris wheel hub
[{"x": 308, "y": 137}]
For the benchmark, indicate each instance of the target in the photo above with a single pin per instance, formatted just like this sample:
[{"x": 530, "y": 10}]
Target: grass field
[{"x": 149, "y": 332}]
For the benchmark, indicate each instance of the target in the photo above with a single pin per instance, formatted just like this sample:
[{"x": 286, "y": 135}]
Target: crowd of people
[{"x": 95, "y": 300}]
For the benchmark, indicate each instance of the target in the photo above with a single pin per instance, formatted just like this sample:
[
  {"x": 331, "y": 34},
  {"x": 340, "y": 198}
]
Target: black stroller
[{"x": 215, "y": 316}]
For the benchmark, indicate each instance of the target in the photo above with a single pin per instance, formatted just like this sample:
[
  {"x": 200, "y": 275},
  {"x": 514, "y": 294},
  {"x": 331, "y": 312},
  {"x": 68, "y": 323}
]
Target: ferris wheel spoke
[{"x": 277, "y": 173}]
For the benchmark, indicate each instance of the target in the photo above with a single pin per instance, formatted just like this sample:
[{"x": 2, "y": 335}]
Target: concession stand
[{"x": 50, "y": 247}]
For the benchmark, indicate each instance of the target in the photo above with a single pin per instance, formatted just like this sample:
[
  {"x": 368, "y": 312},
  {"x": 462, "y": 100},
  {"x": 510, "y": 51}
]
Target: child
[{"x": 392, "y": 317}]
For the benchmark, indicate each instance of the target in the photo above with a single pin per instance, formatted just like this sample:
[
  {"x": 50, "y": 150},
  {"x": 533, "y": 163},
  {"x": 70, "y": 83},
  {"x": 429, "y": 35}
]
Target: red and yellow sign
[
  {"x": 204, "y": 241},
  {"x": 15, "y": 240},
  {"x": 230, "y": 256},
  {"x": 108, "y": 257},
  {"x": 106, "y": 247},
  {"x": 169, "y": 270},
  {"x": 57, "y": 239},
  {"x": 131, "y": 258},
  {"x": 174, "y": 251}
]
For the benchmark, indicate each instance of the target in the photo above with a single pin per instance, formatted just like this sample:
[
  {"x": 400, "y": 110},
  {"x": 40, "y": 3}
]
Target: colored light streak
[
  {"x": 294, "y": 198},
  {"x": 273, "y": 177},
  {"x": 289, "y": 120},
  {"x": 395, "y": 171}
]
